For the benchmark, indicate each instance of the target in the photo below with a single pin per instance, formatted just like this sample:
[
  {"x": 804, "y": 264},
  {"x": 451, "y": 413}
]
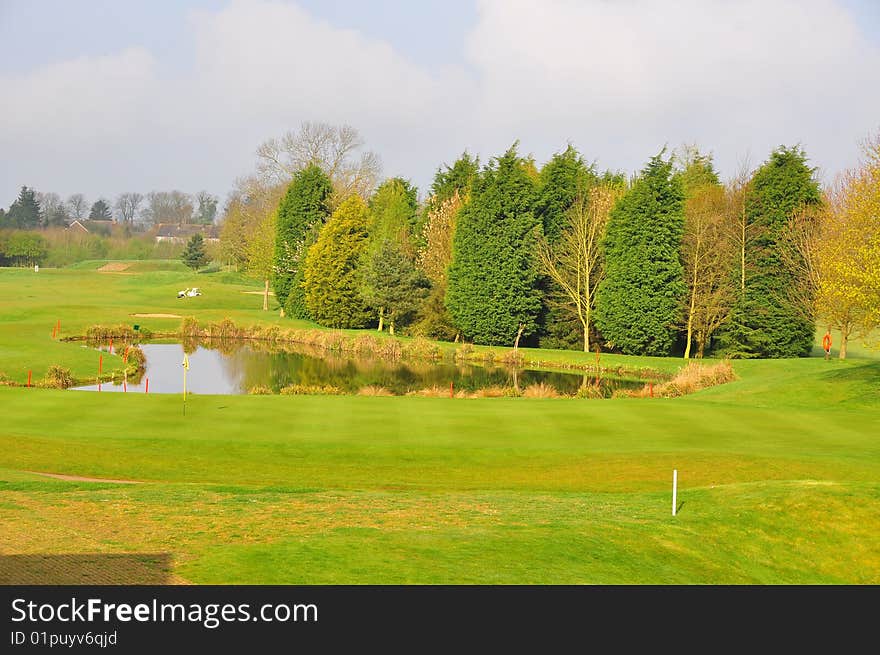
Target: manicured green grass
[{"x": 779, "y": 471}]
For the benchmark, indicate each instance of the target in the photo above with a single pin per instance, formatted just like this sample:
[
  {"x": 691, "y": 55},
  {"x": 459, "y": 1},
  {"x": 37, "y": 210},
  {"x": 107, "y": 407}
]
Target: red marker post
[
  {"x": 100, "y": 363},
  {"x": 111, "y": 345},
  {"x": 451, "y": 390},
  {"x": 29, "y": 378},
  {"x": 147, "y": 386}
]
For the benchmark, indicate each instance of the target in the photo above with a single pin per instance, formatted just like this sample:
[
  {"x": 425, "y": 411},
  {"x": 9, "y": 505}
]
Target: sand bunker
[
  {"x": 157, "y": 315},
  {"x": 113, "y": 267},
  {"x": 77, "y": 478}
]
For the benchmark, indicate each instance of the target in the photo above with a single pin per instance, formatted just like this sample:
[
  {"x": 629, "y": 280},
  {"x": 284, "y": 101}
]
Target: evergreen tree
[
  {"x": 301, "y": 213},
  {"x": 331, "y": 278},
  {"x": 457, "y": 178},
  {"x": 194, "y": 254},
  {"x": 765, "y": 321},
  {"x": 100, "y": 211},
  {"x": 24, "y": 212},
  {"x": 207, "y": 208},
  {"x": 491, "y": 283},
  {"x": 614, "y": 180},
  {"x": 395, "y": 209},
  {"x": 563, "y": 179},
  {"x": 696, "y": 170},
  {"x": 450, "y": 191},
  {"x": 392, "y": 283},
  {"x": 640, "y": 300}
]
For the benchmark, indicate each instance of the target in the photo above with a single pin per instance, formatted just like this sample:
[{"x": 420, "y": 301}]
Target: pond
[{"x": 235, "y": 368}]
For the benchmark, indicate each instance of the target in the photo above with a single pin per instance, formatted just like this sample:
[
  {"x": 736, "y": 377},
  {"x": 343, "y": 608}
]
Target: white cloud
[
  {"x": 65, "y": 125},
  {"x": 623, "y": 78},
  {"x": 72, "y": 99},
  {"x": 618, "y": 79}
]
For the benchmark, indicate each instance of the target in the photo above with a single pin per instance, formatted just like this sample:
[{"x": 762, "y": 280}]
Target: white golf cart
[{"x": 189, "y": 293}]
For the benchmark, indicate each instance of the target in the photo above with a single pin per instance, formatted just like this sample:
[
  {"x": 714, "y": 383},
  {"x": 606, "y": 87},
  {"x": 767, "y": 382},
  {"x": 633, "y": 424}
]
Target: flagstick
[{"x": 674, "y": 489}]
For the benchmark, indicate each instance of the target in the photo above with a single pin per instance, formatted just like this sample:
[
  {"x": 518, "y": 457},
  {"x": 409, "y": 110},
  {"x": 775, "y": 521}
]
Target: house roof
[{"x": 76, "y": 223}]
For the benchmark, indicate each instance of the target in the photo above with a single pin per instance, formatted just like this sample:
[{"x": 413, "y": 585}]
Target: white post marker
[{"x": 674, "y": 489}]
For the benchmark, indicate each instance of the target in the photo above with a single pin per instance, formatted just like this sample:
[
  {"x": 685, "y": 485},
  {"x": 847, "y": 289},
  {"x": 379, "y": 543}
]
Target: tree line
[
  {"x": 33, "y": 210},
  {"x": 33, "y": 229},
  {"x": 671, "y": 261}
]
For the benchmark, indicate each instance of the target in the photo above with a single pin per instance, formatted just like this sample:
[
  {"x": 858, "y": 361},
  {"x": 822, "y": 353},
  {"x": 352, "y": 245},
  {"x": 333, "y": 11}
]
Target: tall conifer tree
[
  {"x": 492, "y": 293},
  {"x": 641, "y": 298},
  {"x": 391, "y": 282},
  {"x": 24, "y": 212},
  {"x": 301, "y": 213},
  {"x": 332, "y": 281}
]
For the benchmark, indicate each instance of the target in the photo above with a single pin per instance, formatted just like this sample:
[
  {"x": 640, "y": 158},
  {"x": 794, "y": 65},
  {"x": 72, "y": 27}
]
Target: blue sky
[
  {"x": 36, "y": 33},
  {"x": 104, "y": 97}
]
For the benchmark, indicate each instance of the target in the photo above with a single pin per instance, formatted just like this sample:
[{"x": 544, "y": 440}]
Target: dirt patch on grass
[
  {"x": 88, "y": 569},
  {"x": 157, "y": 315},
  {"x": 259, "y": 293},
  {"x": 78, "y": 478},
  {"x": 113, "y": 267}
]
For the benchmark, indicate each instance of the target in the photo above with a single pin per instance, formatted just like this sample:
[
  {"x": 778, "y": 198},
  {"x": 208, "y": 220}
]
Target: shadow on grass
[{"x": 97, "y": 569}]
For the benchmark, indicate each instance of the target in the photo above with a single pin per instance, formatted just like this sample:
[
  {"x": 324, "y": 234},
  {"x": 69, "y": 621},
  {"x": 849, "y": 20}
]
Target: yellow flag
[{"x": 185, "y": 362}]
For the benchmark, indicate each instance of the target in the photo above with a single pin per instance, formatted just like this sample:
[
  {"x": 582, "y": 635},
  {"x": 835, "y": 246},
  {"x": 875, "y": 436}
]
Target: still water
[{"x": 236, "y": 368}]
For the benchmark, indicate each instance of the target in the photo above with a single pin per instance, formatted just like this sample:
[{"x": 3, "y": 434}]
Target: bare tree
[
  {"x": 261, "y": 252},
  {"x": 247, "y": 237},
  {"x": 337, "y": 150},
  {"x": 741, "y": 232},
  {"x": 168, "y": 207},
  {"x": 78, "y": 206},
  {"x": 800, "y": 249},
  {"x": 181, "y": 206},
  {"x": 706, "y": 256},
  {"x": 234, "y": 232},
  {"x": 575, "y": 262},
  {"x": 127, "y": 205},
  {"x": 817, "y": 246},
  {"x": 52, "y": 209}
]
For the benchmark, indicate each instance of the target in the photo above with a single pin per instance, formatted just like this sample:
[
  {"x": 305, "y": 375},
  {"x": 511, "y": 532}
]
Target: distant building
[
  {"x": 77, "y": 225},
  {"x": 182, "y": 233},
  {"x": 104, "y": 227}
]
